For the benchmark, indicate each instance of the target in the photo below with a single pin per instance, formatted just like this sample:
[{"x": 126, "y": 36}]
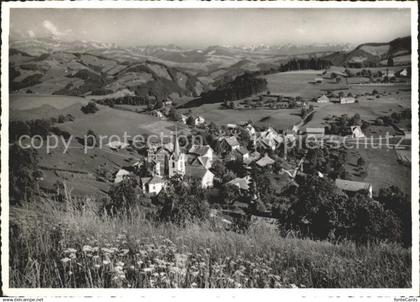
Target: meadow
[{"x": 67, "y": 245}]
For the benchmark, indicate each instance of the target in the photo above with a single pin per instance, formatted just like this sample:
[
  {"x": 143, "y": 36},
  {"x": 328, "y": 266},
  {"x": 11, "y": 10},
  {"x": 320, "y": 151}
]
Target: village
[{"x": 247, "y": 149}]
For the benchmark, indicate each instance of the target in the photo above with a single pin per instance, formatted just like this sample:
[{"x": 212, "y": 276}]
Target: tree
[
  {"x": 123, "y": 196},
  {"x": 158, "y": 104},
  {"x": 182, "y": 202},
  {"x": 390, "y": 61},
  {"x": 393, "y": 199},
  {"x": 90, "y": 108},
  {"x": 91, "y": 139},
  {"x": 23, "y": 173},
  {"x": 318, "y": 209},
  {"x": 360, "y": 161},
  {"x": 61, "y": 118},
  {"x": 174, "y": 115},
  {"x": 190, "y": 121}
]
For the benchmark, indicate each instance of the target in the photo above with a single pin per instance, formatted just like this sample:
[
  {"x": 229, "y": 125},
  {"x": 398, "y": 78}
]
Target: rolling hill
[
  {"x": 373, "y": 53},
  {"x": 78, "y": 74}
]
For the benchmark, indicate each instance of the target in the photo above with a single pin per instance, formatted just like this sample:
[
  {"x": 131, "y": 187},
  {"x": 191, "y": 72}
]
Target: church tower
[{"x": 177, "y": 160}]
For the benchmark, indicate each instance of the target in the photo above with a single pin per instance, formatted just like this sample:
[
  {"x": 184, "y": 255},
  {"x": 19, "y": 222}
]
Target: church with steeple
[{"x": 176, "y": 160}]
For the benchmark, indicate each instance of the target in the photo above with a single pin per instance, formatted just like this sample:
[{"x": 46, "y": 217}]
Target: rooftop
[{"x": 352, "y": 186}]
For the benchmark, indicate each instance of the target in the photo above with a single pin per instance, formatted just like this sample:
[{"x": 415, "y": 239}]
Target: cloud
[
  {"x": 52, "y": 29},
  {"x": 31, "y": 33},
  {"x": 300, "y": 30}
]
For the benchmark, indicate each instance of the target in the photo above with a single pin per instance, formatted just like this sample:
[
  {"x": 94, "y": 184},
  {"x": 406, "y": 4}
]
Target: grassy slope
[{"x": 197, "y": 255}]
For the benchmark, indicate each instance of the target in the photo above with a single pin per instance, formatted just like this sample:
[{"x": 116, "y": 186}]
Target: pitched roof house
[
  {"x": 121, "y": 175},
  {"x": 323, "y": 99},
  {"x": 350, "y": 186},
  {"x": 152, "y": 185},
  {"x": 241, "y": 182},
  {"x": 203, "y": 151},
  {"x": 265, "y": 161},
  {"x": 204, "y": 176},
  {"x": 347, "y": 100},
  {"x": 356, "y": 131}
]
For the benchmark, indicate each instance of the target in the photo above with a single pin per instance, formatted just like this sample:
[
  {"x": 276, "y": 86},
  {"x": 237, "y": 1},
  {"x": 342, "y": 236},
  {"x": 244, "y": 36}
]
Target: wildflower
[
  {"x": 106, "y": 262},
  {"x": 119, "y": 263},
  {"x": 70, "y": 273},
  {"x": 106, "y": 250},
  {"x": 194, "y": 285},
  {"x": 139, "y": 263},
  {"x": 87, "y": 248},
  {"x": 131, "y": 267},
  {"x": 147, "y": 270},
  {"x": 293, "y": 285},
  {"x": 72, "y": 256},
  {"x": 65, "y": 260},
  {"x": 70, "y": 251},
  {"x": 97, "y": 266}
]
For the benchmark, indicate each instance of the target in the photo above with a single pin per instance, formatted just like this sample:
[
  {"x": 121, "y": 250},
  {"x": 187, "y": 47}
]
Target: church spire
[{"x": 176, "y": 145}]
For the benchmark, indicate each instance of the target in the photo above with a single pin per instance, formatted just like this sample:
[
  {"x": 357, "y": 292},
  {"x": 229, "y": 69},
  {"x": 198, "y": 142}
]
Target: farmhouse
[
  {"x": 265, "y": 161},
  {"x": 241, "y": 182},
  {"x": 228, "y": 144},
  {"x": 251, "y": 130},
  {"x": 199, "y": 120},
  {"x": 323, "y": 99},
  {"x": 121, "y": 175},
  {"x": 157, "y": 113},
  {"x": 204, "y": 176},
  {"x": 240, "y": 153},
  {"x": 152, "y": 185},
  {"x": 198, "y": 161},
  {"x": 347, "y": 100},
  {"x": 356, "y": 132},
  {"x": 318, "y": 80},
  {"x": 353, "y": 187},
  {"x": 403, "y": 73},
  {"x": 315, "y": 132},
  {"x": 202, "y": 151},
  {"x": 184, "y": 118}
]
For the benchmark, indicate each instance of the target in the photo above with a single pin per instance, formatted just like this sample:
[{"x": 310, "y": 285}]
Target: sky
[{"x": 205, "y": 27}]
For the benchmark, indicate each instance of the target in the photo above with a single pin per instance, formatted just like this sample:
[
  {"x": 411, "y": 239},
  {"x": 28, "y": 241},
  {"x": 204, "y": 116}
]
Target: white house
[
  {"x": 184, "y": 118},
  {"x": 121, "y": 175},
  {"x": 404, "y": 73},
  {"x": 152, "y": 185},
  {"x": 251, "y": 130},
  {"x": 318, "y": 80},
  {"x": 323, "y": 99},
  {"x": 347, "y": 100},
  {"x": 199, "y": 120},
  {"x": 356, "y": 132}
]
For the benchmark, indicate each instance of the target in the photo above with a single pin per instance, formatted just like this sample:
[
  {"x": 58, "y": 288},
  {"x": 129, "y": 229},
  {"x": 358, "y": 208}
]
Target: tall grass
[{"x": 65, "y": 245}]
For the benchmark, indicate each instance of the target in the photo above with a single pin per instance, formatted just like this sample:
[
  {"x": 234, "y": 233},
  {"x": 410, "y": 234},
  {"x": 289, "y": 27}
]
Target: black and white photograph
[{"x": 169, "y": 145}]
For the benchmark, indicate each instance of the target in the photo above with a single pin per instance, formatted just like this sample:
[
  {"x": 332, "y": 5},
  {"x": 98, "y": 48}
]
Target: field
[
  {"x": 279, "y": 119},
  {"x": 78, "y": 169},
  {"x": 80, "y": 248},
  {"x": 383, "y": 169}
]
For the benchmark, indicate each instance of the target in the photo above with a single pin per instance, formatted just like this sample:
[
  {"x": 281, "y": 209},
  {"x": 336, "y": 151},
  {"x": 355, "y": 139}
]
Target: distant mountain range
[{"x": 53, "y": 66}]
